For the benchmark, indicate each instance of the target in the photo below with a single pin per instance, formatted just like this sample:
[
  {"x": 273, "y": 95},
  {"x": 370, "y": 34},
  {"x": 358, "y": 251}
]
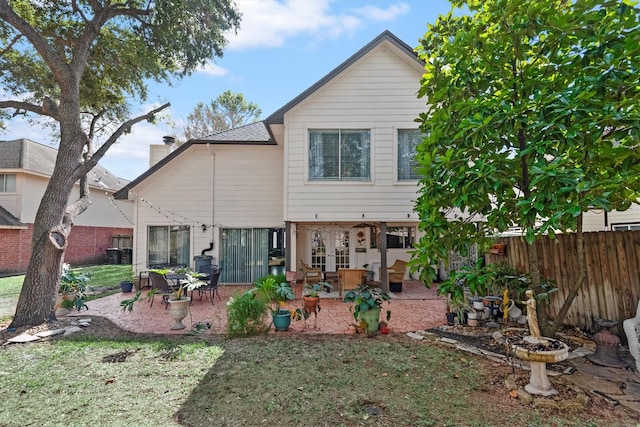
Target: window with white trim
[
  {"x": 625, "y": 227},
  {"x": 7, "y": 182},
  {"x": 340, "y": 155},
  {"x": 408, "y": 140},
  {"x": 169, "y": 245}
]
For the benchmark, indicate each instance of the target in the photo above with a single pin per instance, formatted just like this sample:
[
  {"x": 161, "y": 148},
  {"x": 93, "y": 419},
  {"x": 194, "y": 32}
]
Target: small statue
[{"x": 532, "y": 315}]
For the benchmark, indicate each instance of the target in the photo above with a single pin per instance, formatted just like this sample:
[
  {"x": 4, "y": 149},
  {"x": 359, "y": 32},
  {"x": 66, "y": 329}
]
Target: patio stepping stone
[
  {"x": 50, "y": 333},
  {"x": 71, "y": 329},
  {"x": 22, "y": 338},
  {"x": 415, "y": 336}
]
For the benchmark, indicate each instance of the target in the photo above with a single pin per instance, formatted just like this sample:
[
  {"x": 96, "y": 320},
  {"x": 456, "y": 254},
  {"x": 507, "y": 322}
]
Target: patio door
[{"x": 328, "y": 248}]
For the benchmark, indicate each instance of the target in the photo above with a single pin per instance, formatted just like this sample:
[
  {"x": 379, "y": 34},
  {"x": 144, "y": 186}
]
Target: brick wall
[{"x": 87, "y": 245}]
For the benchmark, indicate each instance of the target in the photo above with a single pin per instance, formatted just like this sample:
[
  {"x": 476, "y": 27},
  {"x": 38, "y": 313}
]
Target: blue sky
[{"x": 282, "y": 48}]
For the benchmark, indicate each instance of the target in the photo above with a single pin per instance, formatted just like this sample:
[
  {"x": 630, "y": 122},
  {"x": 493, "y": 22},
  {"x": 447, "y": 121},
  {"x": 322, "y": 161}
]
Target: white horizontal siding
[
  {"x": 221, "y": 186},
  {"x": 101, "y": 213},
  {"x": 377, "y": 93},
  {"x": 594, "y": 220}
]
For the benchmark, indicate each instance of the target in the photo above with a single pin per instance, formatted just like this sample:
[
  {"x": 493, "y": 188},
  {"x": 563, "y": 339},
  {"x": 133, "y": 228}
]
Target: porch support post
[
  {"x": 384, "y": 284},
  {"x": 287, "y": 245}
]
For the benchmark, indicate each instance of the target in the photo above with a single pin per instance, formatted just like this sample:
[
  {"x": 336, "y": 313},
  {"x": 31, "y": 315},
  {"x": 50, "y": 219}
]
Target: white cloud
[
  {"x": 376, "y": 13},
  {"x": 269, "y": 23},
  {"x": 213, "y": 69}
]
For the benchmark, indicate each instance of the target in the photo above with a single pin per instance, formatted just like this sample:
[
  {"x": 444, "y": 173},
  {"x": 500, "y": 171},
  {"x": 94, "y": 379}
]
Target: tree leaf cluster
[{"x": 532, "y": 119}]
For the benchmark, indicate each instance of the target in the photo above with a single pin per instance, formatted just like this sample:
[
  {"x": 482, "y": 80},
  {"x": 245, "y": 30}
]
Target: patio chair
[
  {"x": 211, "y": 288},
  {"x": 395, "y": 276},
  {"x": 311, "y": 275},
  {"x": 350, "y": 278},
  {"x": 159, "y": 286}
]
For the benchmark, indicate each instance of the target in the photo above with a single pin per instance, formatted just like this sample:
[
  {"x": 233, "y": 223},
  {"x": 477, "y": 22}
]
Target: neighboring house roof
[
  {"x": 40, "y": 159},
  {"x": 9, "y": 221},
  {"x": 278, "y": 116},
  {"x": 252, "y": 134}
]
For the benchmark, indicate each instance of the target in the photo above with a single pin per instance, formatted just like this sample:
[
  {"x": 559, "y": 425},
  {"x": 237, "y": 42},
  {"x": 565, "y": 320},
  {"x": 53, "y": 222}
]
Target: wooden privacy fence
[{"x": 612, "y": 286}]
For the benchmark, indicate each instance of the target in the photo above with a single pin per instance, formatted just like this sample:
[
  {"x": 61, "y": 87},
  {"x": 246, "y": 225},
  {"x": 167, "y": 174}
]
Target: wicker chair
[
  {"x": 395, "y": 273},
  {"x": 311, "y": 275},
  {"x": 350, "y": 278}
]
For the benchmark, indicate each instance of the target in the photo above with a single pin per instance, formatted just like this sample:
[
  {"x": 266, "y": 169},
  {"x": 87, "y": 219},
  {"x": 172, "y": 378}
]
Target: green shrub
[{"x": 246, "y": 315}]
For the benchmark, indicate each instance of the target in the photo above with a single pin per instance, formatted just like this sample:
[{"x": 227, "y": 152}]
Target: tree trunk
[{"x": 52, "y": 226}]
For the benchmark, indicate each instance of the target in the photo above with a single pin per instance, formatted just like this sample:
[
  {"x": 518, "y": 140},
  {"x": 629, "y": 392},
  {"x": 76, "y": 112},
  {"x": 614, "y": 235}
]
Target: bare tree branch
[
  {"x": 27, "y": 106},
  {"x": 124, "y": 128}
]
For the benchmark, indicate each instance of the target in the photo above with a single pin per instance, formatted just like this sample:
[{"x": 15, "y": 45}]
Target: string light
[{"x": 118, "y": 208}]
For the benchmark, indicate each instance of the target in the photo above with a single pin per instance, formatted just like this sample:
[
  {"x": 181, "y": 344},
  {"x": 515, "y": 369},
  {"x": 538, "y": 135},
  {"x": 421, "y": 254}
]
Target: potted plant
[
  {"x": 453, "y": 289},
  {"x": 176, "y": 294},
  {"x": 127, "y": 285},
  {"x": 311, "y": 296},
  {"x": 276, "y": 295},
  {"x": 367, "y": 304},
  {"x": 246, "y": 314},
  {"x": 72, "y": 291}
]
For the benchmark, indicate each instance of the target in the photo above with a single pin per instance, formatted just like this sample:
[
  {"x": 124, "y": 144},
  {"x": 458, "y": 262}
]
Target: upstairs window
[
  {"x": 340, "y": 155},
  {"x": 625, "y": 227},
  {"x": 7, "y": 182},
  {"x": 408, "y": 140}
]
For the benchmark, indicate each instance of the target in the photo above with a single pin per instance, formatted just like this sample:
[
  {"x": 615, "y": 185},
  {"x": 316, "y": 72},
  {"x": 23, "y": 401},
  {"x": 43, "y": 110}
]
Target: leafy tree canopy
[
  {"x": 77, "y": 62},
  {"x": 111, "y": 48},
  {"x": 229, "y": 110},
  {"x": 533, "y": 119}
]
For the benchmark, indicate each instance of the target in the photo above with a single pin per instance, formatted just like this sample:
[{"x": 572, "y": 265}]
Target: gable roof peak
[{"x": 278, "y": 116}]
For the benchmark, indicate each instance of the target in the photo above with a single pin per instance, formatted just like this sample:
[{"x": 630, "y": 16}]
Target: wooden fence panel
[{"x": 612, "y": 287}]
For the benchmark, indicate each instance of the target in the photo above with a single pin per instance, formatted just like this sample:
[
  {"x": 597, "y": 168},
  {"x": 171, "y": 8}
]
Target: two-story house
[
  {"x": 319, "y": 180},
  {"x": 25, "y": 169},
  {"x": 316, "y": 180}
]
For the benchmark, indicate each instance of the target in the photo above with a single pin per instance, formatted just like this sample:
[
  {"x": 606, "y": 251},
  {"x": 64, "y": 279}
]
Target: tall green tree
[
  {"x": 76, "y": 62},
  {"x": 229, "y": 110},
  {"x": 533, "y": 119}
]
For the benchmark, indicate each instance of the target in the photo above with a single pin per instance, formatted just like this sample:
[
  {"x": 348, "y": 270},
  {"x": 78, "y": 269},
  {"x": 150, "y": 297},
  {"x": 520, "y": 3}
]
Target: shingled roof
[
  {"x": 249, "y": 134},
  {"x": 9, "y": 221},
  {"x": 40, "y": 159}
]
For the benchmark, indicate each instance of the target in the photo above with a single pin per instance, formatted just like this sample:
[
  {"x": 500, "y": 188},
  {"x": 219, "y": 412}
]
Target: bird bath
[{"x": 539, "y": 352}]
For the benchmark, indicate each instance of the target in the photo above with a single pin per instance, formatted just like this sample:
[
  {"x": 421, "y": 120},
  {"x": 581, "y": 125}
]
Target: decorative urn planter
[{"x": 179, "y": 310}]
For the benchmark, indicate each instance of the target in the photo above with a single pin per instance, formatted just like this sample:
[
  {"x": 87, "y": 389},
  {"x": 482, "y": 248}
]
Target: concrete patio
[{"x": 415, "y": 309}]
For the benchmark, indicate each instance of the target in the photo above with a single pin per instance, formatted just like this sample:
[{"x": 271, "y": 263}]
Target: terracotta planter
[
  {"x": 499, "y": 249},
  {"x": 311, "y": 304}
]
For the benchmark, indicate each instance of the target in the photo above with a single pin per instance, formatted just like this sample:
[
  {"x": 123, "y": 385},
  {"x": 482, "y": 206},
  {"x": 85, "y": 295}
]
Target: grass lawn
[
  {"x": 103, "y": 278},
  {"x": 281, "y": 380},
  {"x": 108, "y": 377}
]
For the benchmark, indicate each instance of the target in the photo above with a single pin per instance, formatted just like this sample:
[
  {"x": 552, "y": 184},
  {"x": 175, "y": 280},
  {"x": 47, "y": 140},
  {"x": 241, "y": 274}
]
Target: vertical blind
[{"x": 244, "y": 256}]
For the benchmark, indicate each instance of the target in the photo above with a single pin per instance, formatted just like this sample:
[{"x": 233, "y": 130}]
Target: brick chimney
[{"x": 158, "y": 152}]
